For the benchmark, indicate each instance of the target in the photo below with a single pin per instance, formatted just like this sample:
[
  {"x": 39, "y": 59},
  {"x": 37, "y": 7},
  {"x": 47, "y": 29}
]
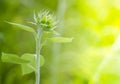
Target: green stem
[{"x": 38, "y": 45}]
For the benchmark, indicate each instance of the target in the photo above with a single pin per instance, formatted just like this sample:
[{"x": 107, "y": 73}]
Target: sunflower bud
[{"x": 45, "y": 20}]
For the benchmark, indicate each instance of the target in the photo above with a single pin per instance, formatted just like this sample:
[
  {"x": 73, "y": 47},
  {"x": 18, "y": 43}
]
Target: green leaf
[
  {"x": 24, "y": 27},
  {"x": 27, "y": 68},
  {"x": 30, "y": 67},
  {"x": 61, "y": 39},
  {"x": 12, "y": 58}
]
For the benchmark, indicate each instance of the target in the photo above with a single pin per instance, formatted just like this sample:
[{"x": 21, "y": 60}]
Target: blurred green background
[{"x": 91, "y": 58}]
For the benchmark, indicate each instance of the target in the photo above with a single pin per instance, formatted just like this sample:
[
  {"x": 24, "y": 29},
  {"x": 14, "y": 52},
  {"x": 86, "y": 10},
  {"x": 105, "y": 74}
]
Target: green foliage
[
  {"x": 12, "y": 58},
  {"x": 23, "y": 27},
  {"x": 94, "y": 24},
  {"x": 27, "y": 61},
  {"x": 31, "y": 66},
  {"x": 45, "y": 22}
]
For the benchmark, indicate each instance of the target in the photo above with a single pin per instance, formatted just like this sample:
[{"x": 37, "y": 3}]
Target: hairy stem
[{"x": 38, "y": 45}]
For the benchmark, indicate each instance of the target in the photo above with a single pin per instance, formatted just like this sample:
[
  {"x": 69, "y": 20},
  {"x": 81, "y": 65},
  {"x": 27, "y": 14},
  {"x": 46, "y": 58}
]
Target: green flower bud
[{"x": 45, "y": 20}]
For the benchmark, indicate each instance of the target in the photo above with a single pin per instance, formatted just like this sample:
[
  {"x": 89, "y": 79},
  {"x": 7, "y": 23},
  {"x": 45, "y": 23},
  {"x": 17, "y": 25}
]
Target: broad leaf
[
  {"x": 24, "y": 27},
  {"x": 61, "y": 39},
  {"x": 30, "y": 67},
  {"x": 12, "y": 58},
  {"x": 27, "y": 68}
]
